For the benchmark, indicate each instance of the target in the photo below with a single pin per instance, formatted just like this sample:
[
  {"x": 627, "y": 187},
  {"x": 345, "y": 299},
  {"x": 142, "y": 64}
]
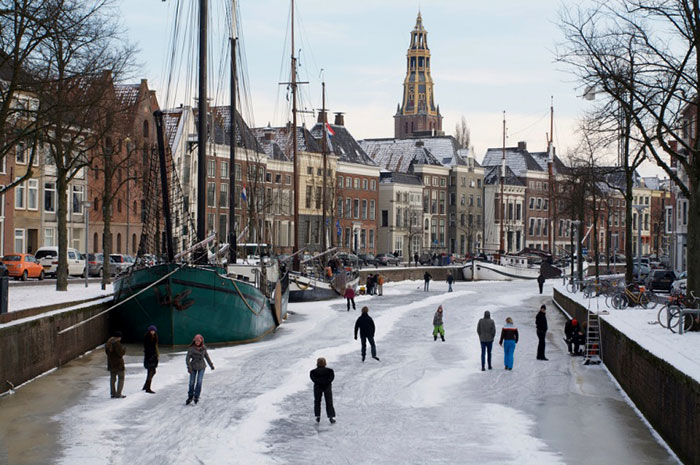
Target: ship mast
[
  {"x": 324, "y": 244},
  {"x": 550, "y": 169},
  {"x": 202, "y": 124},
  {"x": 503, "y": 174},
  {"x": 296, "y": 264},
  {"x": 232, "y": 150}
]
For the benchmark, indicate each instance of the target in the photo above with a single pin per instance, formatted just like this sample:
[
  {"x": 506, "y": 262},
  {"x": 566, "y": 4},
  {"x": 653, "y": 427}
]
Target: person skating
[
  {"x": 115, "y": 364},
  {"x": 572, "y": 336},
  {"x": 322, "y": 378},
  {"x": 426, "y": 278},
  {"x": 450, "y": 280},
  {"x": 486, "y": 329},
  {"x": 150, "y": 356},
  {"x": 540, "y": 282},
  {"x": 365, "y": 324},
  {"x": 541, "y": 325},
  {"x": 196, "y": 355},
  {"x": 350, "y": 297},
  {"x": 438, "y": 327},
  {"x": 380, "y": 284},
  {"x": 509, "y": 337}
]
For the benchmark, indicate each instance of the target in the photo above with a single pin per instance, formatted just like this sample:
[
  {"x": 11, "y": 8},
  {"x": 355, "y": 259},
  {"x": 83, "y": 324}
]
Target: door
[{"x": 32, "y": 240}]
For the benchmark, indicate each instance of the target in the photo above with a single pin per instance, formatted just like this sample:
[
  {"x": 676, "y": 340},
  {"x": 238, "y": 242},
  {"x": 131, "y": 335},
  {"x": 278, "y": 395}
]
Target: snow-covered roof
[
  {"x": 518, "y": 160},
  {"x": 491, "y": 176},
  {"x": 393, "y": 177},
  {"x": 127, "y": 93},
  {"x": 342, "y": 144},
  {"x": 652, "y": 182},
  {"x": 400, "y": 154},
  {"x": 277, "y": 142},
  {"x": 171, "y": 121}
]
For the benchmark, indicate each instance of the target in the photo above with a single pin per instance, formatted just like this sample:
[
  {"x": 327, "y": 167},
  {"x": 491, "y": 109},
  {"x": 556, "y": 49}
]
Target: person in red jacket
[{"x": 350, "y": 297}]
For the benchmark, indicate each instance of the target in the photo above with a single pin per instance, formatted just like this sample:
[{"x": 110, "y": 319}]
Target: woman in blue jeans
[
  {"x": 509, "y": 337},
  {"x": 196, "y": 355}
]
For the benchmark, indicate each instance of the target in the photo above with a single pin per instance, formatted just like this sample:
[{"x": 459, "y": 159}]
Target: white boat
[
  {"x": 310, "y": 288},
  {"x": 510, "y": 267}
]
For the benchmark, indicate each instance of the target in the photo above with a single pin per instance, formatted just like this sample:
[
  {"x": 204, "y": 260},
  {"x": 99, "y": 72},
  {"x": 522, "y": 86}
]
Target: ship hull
[{"x": 305, "y": 289}]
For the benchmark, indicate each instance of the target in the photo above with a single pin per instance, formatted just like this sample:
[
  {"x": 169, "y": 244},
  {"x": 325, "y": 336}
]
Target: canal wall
[
  {"x": 668, "y": 398},
  {"x": 32, "y": 346},
  {"x": 403, "y": 273}
]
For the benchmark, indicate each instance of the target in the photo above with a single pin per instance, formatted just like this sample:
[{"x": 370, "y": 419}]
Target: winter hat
[
  {"x": 153, "y": 328},
  {"x": 574, "y": 322},
  {"x": 199, "y": 338},
  {"x": 487, "y": 314}
]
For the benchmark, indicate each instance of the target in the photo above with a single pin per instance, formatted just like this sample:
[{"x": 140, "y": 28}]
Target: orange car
[{"x": 22, "y": 265}]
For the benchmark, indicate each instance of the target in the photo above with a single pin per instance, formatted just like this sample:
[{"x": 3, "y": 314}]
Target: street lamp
[
  {"x": 86, "y": 209},
  {"x": 639, "y": 209}
]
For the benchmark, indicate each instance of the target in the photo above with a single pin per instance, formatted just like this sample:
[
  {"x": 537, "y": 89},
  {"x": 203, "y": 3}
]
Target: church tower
[{"x": 418, "y": 115}]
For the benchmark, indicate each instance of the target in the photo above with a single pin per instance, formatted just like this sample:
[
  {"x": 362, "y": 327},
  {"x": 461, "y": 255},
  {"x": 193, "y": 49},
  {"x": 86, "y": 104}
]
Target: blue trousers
[
  {"x": 486, "y": 348},
  {"x": 196, "y": 377},
  {"x": 449, "y": 289},
  {"x": 509, "y": 350}
]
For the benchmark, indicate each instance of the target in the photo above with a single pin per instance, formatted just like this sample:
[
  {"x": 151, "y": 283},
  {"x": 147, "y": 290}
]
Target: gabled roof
[
  {"x": 491, "y": 176},
  {"x": 127, "y": 94},
  {"x": 401, "y": 154},
  {"x": 518, "y": 160},
  {"x": 393, "y": 177},
  {"x": 342, "y": 144},
  {"x": 277, "y": 142},
  {"x": 542, "y": 159},
  {"x": 171, "y": 121}
]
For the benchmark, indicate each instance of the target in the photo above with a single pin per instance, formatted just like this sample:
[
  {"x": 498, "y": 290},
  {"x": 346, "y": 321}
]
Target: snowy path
[{"x": 425, "y": 402}]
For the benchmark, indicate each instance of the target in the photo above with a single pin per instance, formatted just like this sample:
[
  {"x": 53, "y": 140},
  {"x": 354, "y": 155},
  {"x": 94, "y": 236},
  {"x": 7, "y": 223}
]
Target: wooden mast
[
  {"x": 202, "y": 125},
  {"x": 501, "y": 249},
  {"x": 294, "y": 148},
  {"x": 232, "y": 156},
  {"x": 324, "y": 244},
  {"x": 550, "y": 168}
]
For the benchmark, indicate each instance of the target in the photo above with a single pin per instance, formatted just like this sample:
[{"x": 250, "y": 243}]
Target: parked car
[
  {"x": 96, "y": 265},
  {"x": 386, "y": 259},
  {"x": 660, "y": 280},
  {"x": 23, "y": 266},
  {"x": 349, "y": 259},
  {"x": 679, "y": 286},
  {"x": 48, "y": 257},
  {"x": 425, "y": 259},
  {"x": 367, "y": 259},
  {"x": 120, "y": 262}
]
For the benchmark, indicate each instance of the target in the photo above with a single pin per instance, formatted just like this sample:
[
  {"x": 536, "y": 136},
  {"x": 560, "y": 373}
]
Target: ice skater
[
  {"x": 322, "y": 378},
  {"x": 350, "y": 297},
  {"x": 438, "y": 327},
  {"x": 426, "y": 278},
  {"x": 509, "y": 337},
  {"x": 486, "y": 329},
  {"x": 541, "y": 325},
  {"x": 150, "y": 356},
  {"x": 450, "y": 280},
  {"x": 540, "y": 282},
  {"x": 196, "y": 355},
  {"x": 365, "y": 324},
  {"x": 115, "y": 364}
]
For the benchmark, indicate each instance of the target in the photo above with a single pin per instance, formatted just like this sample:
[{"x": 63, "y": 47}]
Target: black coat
[
  {"x": 450, "y": 279},
  {"x": 322, "y": 376},
  {"x": 541, "y": 321},
  {"x": 427, "y": 277},
  {"x": 365, "y": 324},
  {"x": 570, "y": 330},
  {"x": 150, "y": 351},
  {"x": 540, "y": 279}
]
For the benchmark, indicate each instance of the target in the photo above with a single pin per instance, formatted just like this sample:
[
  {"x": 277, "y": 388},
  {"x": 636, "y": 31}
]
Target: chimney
[
  {"x": 322, "y": 117},
  {"x": 339, "y": 119},
  {"x": 269, "y": 133},
  {"x": 522, "y": 146}
]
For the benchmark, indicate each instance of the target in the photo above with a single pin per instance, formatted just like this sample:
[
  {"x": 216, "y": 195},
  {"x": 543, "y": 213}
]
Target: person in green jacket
[{"x": 438, "y": 327}]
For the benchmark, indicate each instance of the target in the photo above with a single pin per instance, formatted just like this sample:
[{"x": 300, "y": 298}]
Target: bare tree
[
  {"x": 659, "y": 94},
  {"x": 463, "y": 134}
]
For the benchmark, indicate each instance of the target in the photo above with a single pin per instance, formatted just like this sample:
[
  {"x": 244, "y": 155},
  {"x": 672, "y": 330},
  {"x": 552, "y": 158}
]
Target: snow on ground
[
  {"x": 424, "y": 402},
  {"x": 21, "y": 298},
  {"x": 642, "y": 327}
]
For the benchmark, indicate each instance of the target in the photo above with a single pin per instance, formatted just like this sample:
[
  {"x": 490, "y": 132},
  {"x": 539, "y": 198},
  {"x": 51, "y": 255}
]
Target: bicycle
[
  {"x": 574, "y": 285},
  {"x": 673, "y": 310},
  {"x": 642, "y": 297}
]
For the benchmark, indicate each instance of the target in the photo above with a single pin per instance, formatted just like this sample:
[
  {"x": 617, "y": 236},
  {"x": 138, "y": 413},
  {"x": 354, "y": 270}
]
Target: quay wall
[
  {"x": 403, "y": 273},
  {"x": 668, "y": 398},
  {"x": 30, "y": 348}
]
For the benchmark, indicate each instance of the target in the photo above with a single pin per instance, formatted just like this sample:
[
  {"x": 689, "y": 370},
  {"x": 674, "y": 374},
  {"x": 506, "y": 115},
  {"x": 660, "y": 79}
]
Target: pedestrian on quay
[
  {"x": 426, "y": 278},
  {"x": 370, "y": 284},
  {"x": 540, "y": 282},
  {"x": 416, "y": 257},
  {"x": 380, "y": 284},
  {"x": 450, "y": 280},
  {"x": 322, "y": 378},
  {"x": 541, "y": 325},
  {"x": 509, "y": 337},
  {"x": 150, "y": 356},
  {"x": 115, "y": 364},
  {"x": 573, "y": 336},
  {"x": 486, "y": 329},
  {"x": 196, "y": 355},
  {"x": 365, "y": 324},
  {"x": 438, "y": 327},
  {"x": 350, "y": 297}
]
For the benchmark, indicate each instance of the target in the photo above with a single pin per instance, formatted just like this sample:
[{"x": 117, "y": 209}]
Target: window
[
  {"x": 3, "y": 165},
  {"x": 278, "y": 179},
  {"x": 539, "y": 203},
  {"x": 478, "y": 183},
  {"x": 309, "y": 194},
  {"x": 340, "y": 182},
  {"x": 364, "y": 209},
  {"x": 223, "y": 195},
  {"x": 348, "y": 182},
  {"x": 119, "y": 205},
  {"x": 356, "y": 209},
  {"x": 21, "y": 154},
  {"x": 356, "y": 183},
  {"x": 532, "y": 203},
  {"x": 319, "y": 198},
  {"x": 442, "y": 233},
  {"x": 310, "y": 170},
  {"x": 442, "y": 182},
  {"x": 347, "y": 237},
  {"x": 544, "y": 228},
  {"x": 531, "y": 229},
  {"x": 288, "y": 179},
  {"x": 50, "y": 237},
  {"x": 237, "y": 173},
  {"x": 78, "y": 193},
  {"x": 471, "y": 200},
  {"x": 210, "y": 223},
  {"x": 518, "y": 208},
  {"x": 385, "y": 218},
  {"x": 364, "y": 184},
  {"x": 453, "y": 219},
  {"x": 453, "y": 199},
  {"x": 398, "y": 217},
  {"x": 426, "y": 180},
  {"x": 478, "y": 202},
  {"x": 20, "y": 199},
  {"x": 145, "y": 128},
  {"x": 33, "y": 194},
  {"x": 545, "y": 204},
  {"x": 435, "y": 181},
  {"x": 211, "y": 197},
  {"x": 211, "y": 168},
  {"x": 223, "y": 170},
  {"x": 19, "y": 240},
  {"x": 223, "y": 223},
  {"x": 538, "y": 227},
  {"x": 373, "y": 187},
  {"x": 442, "y": 202},
  {"x": 348, "y": 208},
  {"x": 371, "y": 210},
  {"x": 318, "y": 171},
  {"x": 340, "y": 208},
  {"x": 471, "y": 183},
  {"x": 371, "y": 238}
]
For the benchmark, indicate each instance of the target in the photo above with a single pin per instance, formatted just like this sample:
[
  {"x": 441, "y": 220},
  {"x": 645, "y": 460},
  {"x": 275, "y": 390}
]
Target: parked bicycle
[
  {"x": 635, "y": 295},
  {"x": 669, "y": 315}
]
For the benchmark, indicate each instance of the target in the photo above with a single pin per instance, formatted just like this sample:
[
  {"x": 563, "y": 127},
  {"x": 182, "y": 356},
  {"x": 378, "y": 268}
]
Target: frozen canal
[{"x": 425, "y": 402}]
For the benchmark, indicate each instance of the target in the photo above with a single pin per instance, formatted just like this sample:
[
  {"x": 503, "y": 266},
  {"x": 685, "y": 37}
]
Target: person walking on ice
[
  {"x": 450, "y": 280},
  {"x": 150, "y": 356},
  {"x": 115, "y": 364},
  {"x": 509, "y": 337},
  {"x": 486, "y": 329},
  {"x": 350, "y": 297},
  {"x": 322, "y": 378},
  {"x": 196, "y": 355},
  {"x": 365, "y": 324},
  {"x": 438, "y": 327},
  {"x": 426, "y": 278},
  {"x": 540, "y": 282},
  {"x": 541, "y": 324}
]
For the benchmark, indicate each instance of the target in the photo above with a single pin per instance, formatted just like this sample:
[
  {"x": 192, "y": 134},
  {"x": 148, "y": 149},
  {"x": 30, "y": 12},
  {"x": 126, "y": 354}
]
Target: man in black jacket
[
  {"x": 365, "y": 324},
  {"x": 322, "y": 378},
  {"x": 541, "y": 324}
]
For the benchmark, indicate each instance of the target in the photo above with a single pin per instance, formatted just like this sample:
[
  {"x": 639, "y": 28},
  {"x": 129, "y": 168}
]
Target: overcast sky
[{"x": 487, "y": 57}]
